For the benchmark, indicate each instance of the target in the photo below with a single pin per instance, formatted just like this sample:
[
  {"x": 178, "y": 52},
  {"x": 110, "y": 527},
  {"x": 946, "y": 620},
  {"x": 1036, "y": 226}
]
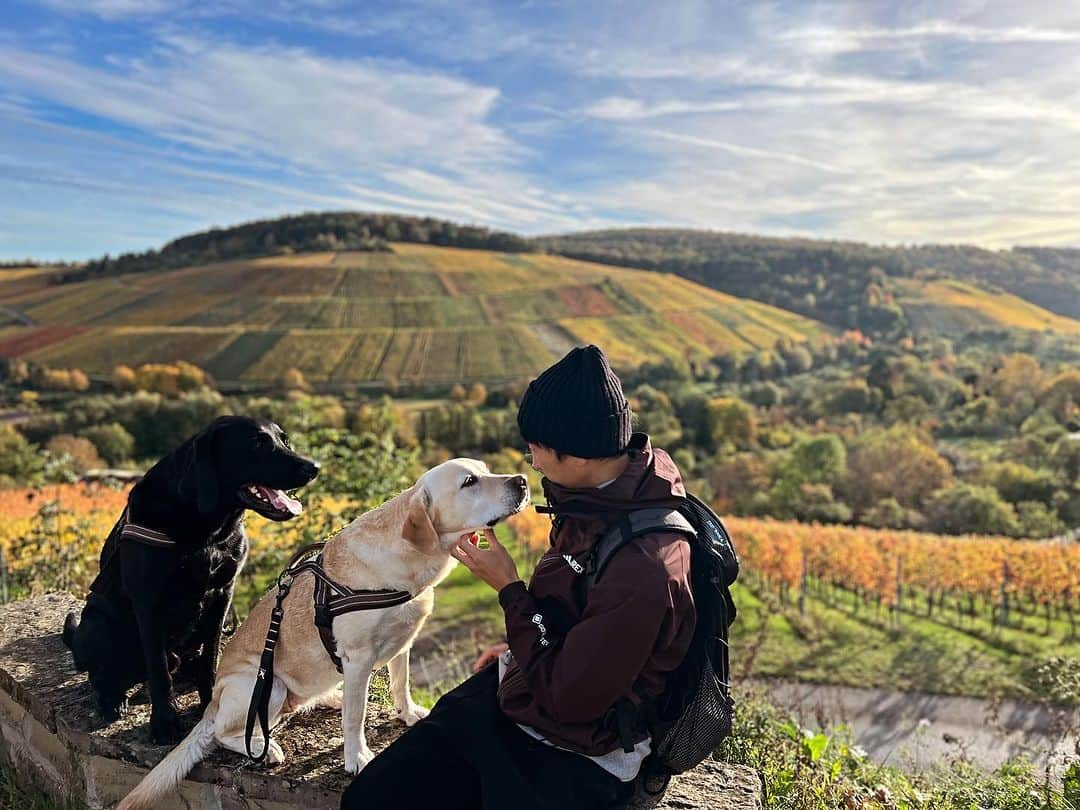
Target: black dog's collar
[{"x": 141, "y": 534}]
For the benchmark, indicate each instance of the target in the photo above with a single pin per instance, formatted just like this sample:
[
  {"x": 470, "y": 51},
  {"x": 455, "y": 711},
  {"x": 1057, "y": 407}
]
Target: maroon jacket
[{"x": 573, "y": 659}]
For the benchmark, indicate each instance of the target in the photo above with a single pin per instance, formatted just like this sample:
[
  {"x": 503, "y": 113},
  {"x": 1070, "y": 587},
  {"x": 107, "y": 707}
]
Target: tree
[
  {"x": 731, "y": 420},
  {"x": 817, "y": 460},
  {"x": 80, "y": 451},
  {"x": 1018, "y": 482},
  {"x": 970, "y": 508},
  {"x": 292, "y": 379},
  {"x": 1061, "y": 397},
  {"x": 765, "y": 395},
  {"x": 457, "y": 392},
  {"x": 112, "y": 441},
  {"x": 889, "y": 514},
  {"x": 79, "y": 380},
  {"x": 15, "y": 370},
  {"x": 736, "y": 479},
  {"x": 123, "y": 378},
  {"x": 477, "y": 393},
  {"x": 20, "y": 461},
  {"x": 1020, "y": 374},
  {"x": 1038, "y": 520},
  {"x": 797, "y": 360},
  {"x": 655, "y": 415},
  {"x": 854, "y": 396},
  {"x": 190, "y": 377},
  {"x": 899, "y": 462}
]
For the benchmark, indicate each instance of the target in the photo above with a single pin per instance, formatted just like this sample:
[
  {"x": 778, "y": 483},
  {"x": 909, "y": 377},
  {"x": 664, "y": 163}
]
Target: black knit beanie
[{"x": 577, "y": 406}]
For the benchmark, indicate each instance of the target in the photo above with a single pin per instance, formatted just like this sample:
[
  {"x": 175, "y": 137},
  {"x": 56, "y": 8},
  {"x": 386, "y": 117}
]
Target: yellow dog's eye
[{"x": 469, "y": 481}]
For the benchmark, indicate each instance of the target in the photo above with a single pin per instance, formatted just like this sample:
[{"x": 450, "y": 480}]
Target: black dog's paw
[
  {"x": 165, "y": 726},
  {"x": 112, "y": 707}
]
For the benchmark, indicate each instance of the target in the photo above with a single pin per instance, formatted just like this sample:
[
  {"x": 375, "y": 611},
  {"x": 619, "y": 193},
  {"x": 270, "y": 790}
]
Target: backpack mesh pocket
[{"x": 700, "y": 727}]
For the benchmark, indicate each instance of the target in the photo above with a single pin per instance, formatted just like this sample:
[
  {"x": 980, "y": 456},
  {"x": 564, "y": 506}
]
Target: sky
[{"x": 126, "y": 123}]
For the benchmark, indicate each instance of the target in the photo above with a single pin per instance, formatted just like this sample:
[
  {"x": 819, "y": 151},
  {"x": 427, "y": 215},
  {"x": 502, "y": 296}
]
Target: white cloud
[
  {"x": 115, "y": 9},
  {"x": 867, "y": 121},
  {"x": 348, "y": 115}
]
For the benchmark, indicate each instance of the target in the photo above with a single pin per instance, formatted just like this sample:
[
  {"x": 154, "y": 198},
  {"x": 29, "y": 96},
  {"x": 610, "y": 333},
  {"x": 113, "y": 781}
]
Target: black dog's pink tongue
[{"x": 280, "y": 500}]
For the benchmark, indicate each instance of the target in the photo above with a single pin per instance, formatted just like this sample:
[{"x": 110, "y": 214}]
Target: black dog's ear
[
  {"x": 206, "y": 481},
  {"x": 199, "y": 478}
]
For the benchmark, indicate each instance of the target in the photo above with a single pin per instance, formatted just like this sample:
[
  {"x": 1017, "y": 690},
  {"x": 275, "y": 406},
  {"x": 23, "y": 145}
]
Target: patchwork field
[
  {"x": 954, "y": 307},
  {"x": 421, "y": 314}
]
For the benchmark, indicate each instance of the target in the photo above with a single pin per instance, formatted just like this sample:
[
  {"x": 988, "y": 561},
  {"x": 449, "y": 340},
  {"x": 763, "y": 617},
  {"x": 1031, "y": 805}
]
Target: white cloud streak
[{"x": 863, "y": 121}]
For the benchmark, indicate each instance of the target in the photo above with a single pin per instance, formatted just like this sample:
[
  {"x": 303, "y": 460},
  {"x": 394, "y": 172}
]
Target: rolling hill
[
  {"x": 950, "y": 307},
  {"x": 418, "y": 314},
  {"x": 845, "y": 284}
]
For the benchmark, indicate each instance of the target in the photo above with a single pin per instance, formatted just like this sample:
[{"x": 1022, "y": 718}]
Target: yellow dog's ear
[{"x": 419, "y": 529}]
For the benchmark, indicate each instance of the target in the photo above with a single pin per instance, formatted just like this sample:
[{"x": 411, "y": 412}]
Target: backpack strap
[
  {"x": 626, "y": 528},
  {"x": 621, "y": 533}
]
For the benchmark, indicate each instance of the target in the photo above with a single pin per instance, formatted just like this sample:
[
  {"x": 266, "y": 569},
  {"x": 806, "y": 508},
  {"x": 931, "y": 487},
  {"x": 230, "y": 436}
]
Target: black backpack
[{"x": 695, "y": 712}]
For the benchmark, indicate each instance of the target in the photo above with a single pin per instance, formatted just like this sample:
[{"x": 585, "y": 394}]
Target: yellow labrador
[{"x": 404, "y": 544}]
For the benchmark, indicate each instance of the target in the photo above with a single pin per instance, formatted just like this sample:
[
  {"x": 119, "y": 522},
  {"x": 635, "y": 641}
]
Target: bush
[
  {"x": 477, "y": 394},
  {"x": 1038, "y": 520},
  {"x": 123, "y": 378},
  {"x": 1019, "y": 482},
  {"x": 731, "y": 420},
  {"x": 113, "y": 443},
  {"x": 20, "y": 462},
  {"x": 807, "y": 769},
  {"x": 81, "y": 452},
  {"x": 969, "y": 508},
  {"x": 886, "y": 514},
  {"x": 292, "y": 379},
  {"x": 60, "y": 379}
]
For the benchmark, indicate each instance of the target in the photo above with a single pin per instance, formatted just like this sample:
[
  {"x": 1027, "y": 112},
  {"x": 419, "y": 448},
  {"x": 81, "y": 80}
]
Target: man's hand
[
  {"x": 493, "y": 565},
  {"x": 489, "y": 655}
]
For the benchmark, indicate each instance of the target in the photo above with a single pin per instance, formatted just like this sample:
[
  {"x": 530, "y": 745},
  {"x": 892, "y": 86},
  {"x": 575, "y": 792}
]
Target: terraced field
[
  {"x": 954, "y": 307},
  {"x": 421, "y": 314}
]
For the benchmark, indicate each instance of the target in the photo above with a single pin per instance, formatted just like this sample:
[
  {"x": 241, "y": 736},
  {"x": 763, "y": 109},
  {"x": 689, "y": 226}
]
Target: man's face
[{"x": 558, "y": 470}]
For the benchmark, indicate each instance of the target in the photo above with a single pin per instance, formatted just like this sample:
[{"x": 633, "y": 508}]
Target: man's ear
[
  {"x": 203, "y": 471},
  {"x": 419, "y": 529}
]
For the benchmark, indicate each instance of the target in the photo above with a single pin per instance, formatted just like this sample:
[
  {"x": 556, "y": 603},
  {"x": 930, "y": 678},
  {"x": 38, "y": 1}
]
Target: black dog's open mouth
[{"x": 275, "y": 504}]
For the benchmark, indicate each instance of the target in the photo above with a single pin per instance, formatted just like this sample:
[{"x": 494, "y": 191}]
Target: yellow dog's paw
[
  {"x": 355, "y": 764},
  {"x": 413, "y": 714}
]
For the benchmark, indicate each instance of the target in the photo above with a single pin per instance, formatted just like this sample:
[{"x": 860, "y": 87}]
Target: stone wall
[{"x": 49, "y": 728}]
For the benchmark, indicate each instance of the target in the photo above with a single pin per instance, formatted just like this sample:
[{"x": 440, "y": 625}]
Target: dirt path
[{"x": 15, "y": 315}]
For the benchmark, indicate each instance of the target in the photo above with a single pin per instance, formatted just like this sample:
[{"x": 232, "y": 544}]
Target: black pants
[{"x": 467, "y": 755}]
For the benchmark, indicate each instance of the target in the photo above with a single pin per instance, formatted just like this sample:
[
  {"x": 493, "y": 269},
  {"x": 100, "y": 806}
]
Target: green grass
[
  {"x": 841, "y": 645},
  {"x": 16, "y": 795}
]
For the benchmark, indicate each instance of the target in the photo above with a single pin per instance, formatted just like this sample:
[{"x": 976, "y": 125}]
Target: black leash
[{"x": 259, "y": 708}]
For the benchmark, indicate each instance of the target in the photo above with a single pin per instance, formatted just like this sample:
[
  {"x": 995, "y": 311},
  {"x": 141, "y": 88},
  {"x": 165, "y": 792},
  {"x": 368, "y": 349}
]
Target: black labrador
[{"x": 158, "y": 602}]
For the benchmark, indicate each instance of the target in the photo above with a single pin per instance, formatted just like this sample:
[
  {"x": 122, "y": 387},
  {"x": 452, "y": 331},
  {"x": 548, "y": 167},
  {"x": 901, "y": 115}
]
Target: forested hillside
[{"x": 845, "y": 284}]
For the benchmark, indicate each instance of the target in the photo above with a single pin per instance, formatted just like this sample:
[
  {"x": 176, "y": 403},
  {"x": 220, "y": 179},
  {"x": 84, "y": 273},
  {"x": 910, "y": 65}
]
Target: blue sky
[{"x": 124, "y": 123}]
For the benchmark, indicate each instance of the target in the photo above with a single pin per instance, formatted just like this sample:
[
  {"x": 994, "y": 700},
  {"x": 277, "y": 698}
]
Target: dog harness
[
  {"x": 331, "y": 599},
  {"x": 141, "y": 534}
]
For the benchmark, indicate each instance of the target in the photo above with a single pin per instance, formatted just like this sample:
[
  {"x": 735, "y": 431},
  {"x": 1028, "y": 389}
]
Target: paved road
[{"x": 913, "y": 729}]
